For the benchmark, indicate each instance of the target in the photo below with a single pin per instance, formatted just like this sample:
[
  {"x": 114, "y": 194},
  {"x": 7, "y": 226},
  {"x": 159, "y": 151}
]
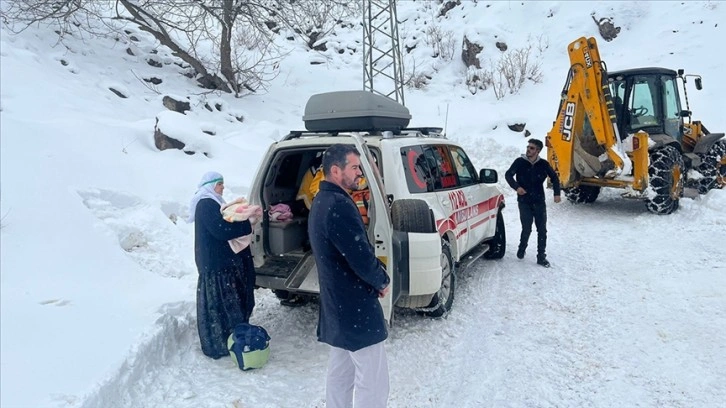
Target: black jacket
[
  {"x": 225, "y": 289},
  {"x": 350, "y": 275},
  {"x": 531, "y": 176},
  {"x": 211, "y": 233}
]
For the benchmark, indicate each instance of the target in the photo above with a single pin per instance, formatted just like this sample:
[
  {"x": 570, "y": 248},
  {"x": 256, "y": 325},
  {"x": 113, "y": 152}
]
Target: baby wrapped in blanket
[{"x": 241, "y": 210}]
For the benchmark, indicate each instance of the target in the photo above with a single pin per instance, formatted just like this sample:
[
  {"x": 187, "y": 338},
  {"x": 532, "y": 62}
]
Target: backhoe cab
[{"x": 626, "y": 129}]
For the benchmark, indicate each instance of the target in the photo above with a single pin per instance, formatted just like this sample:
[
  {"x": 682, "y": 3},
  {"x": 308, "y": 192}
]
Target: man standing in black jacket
[
  {"x": 526, "y": 175},
  {"x": 351, "y": 280}
]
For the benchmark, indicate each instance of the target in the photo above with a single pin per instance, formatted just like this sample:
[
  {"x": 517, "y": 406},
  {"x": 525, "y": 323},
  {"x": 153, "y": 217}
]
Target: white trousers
[{"x": 364, "y": 371}]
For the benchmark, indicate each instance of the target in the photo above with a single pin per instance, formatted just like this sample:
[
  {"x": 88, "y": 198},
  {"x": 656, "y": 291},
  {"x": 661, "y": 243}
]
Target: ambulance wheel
[
  {"x": 444, "y": 298},
  {"x": 498, "y": 244}
]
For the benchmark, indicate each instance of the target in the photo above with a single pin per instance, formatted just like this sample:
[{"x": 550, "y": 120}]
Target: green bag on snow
[{"x": 249, "y": 346}]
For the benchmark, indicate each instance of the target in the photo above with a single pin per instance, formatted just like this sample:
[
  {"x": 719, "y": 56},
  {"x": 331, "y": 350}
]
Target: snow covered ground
[{"x": 97, "y": 281}]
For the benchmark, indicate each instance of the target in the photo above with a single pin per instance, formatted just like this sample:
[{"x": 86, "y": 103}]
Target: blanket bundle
[
  {"x": 241, "y": 210},
  {"x": 280, "y": 212}
]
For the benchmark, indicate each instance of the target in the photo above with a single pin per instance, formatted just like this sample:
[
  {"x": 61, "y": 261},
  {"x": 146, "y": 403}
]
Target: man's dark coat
[{"x": 350, "y": 275}]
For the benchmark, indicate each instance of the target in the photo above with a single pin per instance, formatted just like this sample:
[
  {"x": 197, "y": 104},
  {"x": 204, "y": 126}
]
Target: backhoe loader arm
[{"x": 586, "y": 96}]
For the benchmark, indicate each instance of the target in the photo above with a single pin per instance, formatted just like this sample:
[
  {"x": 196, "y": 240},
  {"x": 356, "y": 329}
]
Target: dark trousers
[{"x": 537, "y": 212}]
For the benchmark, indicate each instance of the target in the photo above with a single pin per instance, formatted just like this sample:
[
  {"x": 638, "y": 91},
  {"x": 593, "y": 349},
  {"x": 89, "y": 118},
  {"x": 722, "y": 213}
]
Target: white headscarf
[{"x": 205, "y": 190}]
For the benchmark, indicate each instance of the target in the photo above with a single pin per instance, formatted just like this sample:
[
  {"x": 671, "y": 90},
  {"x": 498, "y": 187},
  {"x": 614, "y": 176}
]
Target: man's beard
[{"x": 353, "y": 185}]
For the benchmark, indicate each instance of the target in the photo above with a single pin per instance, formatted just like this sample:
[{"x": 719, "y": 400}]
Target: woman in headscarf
[{"x": 225, "y": 289}]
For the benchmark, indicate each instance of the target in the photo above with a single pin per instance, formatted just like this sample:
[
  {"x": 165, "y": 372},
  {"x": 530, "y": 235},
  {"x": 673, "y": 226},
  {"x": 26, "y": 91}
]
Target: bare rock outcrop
[
  {"x": 607, "y": 28},
  {"x": 517, "y": 127},
  {"x": 164, "y": 142},
  {"x": 447, "y": 6},
  {"x": 469, "y": 53},
  {"x": 174, "y": 105}
]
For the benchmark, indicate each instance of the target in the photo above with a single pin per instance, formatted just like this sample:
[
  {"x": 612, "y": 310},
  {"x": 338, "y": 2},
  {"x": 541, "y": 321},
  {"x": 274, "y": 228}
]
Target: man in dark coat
[
  {"x": 225, "y": 289},
  {"x": 526, "y": 175},
  {"x": 351, "y": 280}
]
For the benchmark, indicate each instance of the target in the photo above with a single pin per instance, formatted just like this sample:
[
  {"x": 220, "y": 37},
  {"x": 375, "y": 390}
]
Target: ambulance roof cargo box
[{"x": 354, "y": 110}]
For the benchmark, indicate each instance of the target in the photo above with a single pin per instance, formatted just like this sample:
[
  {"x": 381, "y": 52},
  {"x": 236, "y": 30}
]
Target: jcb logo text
[{"x": 568, "y": 121}]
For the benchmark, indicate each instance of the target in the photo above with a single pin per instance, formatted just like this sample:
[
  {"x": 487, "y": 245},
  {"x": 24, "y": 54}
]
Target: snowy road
[{"x": 637, "y": 324}]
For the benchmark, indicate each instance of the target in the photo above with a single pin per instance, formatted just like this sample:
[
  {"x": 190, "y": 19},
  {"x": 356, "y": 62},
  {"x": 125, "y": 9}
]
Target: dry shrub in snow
[
  {"x": 510, "y": 72},
  {"x": 513, "y": 69},
  {"x": 415, "y": 79},
  {"x": 441, "y": 42}
]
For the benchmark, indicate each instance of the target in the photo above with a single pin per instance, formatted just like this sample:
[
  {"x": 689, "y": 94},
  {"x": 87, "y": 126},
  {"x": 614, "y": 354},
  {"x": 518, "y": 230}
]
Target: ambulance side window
[
  {"x": 442, "y": 170},
  {"x": 418, "y": 173},
  {"x": 464, "y": 168}
]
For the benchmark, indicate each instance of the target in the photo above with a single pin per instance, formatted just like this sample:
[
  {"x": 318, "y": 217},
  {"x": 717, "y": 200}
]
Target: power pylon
[{"x": 382, "y": 63}]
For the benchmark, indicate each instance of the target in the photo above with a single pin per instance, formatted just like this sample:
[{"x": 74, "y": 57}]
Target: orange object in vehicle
[{"x": 361, "y": 198}]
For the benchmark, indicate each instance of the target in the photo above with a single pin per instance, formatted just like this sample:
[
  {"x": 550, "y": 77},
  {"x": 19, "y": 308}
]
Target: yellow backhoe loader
[{"x": 626, "y": 130}]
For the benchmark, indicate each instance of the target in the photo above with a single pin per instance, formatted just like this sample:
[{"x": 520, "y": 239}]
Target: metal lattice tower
[{"x": 382, "y": 63}]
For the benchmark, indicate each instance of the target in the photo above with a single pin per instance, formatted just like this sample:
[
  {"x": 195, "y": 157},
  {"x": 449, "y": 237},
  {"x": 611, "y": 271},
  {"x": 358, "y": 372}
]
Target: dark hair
[
  {"x": 537, "y": 143},
  {"x": 336, "y": 155}
]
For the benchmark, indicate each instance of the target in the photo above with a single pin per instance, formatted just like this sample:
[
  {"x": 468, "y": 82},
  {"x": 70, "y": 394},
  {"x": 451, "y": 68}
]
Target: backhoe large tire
[
  {"x": 582, "y": 194},
  {"x": 665, "y": 180},
  {"x": 713, "y": 168},
  {"x": 498, "y": 244},
  {"x": 444, "y": 298},
  {"x": 411, "y": 215}
]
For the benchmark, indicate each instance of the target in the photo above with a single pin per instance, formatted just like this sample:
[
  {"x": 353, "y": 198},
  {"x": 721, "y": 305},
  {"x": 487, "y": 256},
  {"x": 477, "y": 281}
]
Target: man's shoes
[
  {"x": 294, "y": 301},
  {"x": 544, "y": 262},
  {"x": 520, "y": 253}
]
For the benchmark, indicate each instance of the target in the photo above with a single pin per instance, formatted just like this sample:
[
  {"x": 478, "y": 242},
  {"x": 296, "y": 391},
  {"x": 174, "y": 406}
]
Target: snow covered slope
[{"x": 97, "y": 276}]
